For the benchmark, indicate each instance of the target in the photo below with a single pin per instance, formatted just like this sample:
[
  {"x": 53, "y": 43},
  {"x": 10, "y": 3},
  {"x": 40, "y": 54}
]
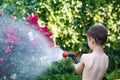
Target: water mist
[{"x": 24, "y": 52}]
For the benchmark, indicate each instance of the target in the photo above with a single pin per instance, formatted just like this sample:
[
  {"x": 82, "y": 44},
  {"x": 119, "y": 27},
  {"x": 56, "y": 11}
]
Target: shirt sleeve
[{"x": 80, "y": 66}]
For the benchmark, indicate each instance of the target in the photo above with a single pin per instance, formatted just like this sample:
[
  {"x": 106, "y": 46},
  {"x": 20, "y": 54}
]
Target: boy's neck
[{"x": 98, "y": 49}]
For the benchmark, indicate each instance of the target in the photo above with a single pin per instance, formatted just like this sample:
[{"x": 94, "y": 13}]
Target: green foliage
[
  {"x": 60, "y": 71},
  {"x": 114, "y": 75},
  {"x": 1, "y": 1},
  {"x": 69, "y": 21},
  {"x": 62, "y": 77}
]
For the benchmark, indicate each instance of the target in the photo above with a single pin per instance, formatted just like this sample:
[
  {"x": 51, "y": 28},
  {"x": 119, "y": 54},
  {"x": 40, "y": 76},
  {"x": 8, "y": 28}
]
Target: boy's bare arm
[{"x": 80, "y": 66}]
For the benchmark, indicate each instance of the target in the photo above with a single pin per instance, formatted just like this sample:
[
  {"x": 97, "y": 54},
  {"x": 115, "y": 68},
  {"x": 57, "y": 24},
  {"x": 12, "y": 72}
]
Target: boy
[{"x": 94, "y": 65}]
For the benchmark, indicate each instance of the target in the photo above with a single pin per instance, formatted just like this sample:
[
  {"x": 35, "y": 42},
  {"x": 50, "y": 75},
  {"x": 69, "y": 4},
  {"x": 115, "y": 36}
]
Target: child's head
[{"x": 98, "y": 33}]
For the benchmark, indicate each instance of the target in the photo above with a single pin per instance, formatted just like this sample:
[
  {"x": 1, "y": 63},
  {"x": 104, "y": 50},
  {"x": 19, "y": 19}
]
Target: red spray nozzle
[
  {"x": 73, "y": 56},
  {"x": 66, "y": 54}
]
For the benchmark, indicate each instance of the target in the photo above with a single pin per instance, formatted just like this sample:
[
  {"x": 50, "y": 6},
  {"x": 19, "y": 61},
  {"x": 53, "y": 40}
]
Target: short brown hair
[{"x": 99, "y": 33}]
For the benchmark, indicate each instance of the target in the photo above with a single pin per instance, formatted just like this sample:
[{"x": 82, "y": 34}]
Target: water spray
[
  {"x": 72, "y": 55},
  {"x": 26, "y": 50}
]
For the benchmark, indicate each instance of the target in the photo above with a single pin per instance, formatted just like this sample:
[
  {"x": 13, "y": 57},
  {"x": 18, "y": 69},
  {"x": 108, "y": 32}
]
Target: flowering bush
[
  {"x": 21, "y": 47},
  {"x": 34, "y": 21}
]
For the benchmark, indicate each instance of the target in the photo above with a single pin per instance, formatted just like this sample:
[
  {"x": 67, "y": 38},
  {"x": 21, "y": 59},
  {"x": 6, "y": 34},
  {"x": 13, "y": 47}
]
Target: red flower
[
  {"x": 11, "y": 36},
  {"x": 1, "y": 14},
  {"x": 33, "y": 20},
  {"x": 52, "y": 44},
  {"x": 1, "y": 59},
  {"x": 40, "y": 29},
  {"x": 51, "y": 41},
  {"x": 48, "y": 34},
  {"x": 8, "y": 50},
  {"x": 12, "y": 39},
  {"x": 10, "y": 31},
  {"x": 45, "y": 29}
]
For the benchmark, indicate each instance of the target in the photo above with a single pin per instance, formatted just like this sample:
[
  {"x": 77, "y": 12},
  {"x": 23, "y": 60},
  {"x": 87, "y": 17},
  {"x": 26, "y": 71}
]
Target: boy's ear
[
  {"x": 92, "y": 40},
  {"x": 89, "y": 38}
]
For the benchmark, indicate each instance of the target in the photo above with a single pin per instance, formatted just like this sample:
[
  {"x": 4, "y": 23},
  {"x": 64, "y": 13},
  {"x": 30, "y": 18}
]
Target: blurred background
[{"x": 69, "y": 21}]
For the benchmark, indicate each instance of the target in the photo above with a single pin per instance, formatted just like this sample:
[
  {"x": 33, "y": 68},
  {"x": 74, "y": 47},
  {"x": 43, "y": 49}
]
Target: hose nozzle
[{"x": 66, "y": 54}]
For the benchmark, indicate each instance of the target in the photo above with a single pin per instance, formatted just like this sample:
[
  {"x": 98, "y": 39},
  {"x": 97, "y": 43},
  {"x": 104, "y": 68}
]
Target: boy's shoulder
[
  {"x": 86, "y": 54},
  {"x": 92, "y": 55}
]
